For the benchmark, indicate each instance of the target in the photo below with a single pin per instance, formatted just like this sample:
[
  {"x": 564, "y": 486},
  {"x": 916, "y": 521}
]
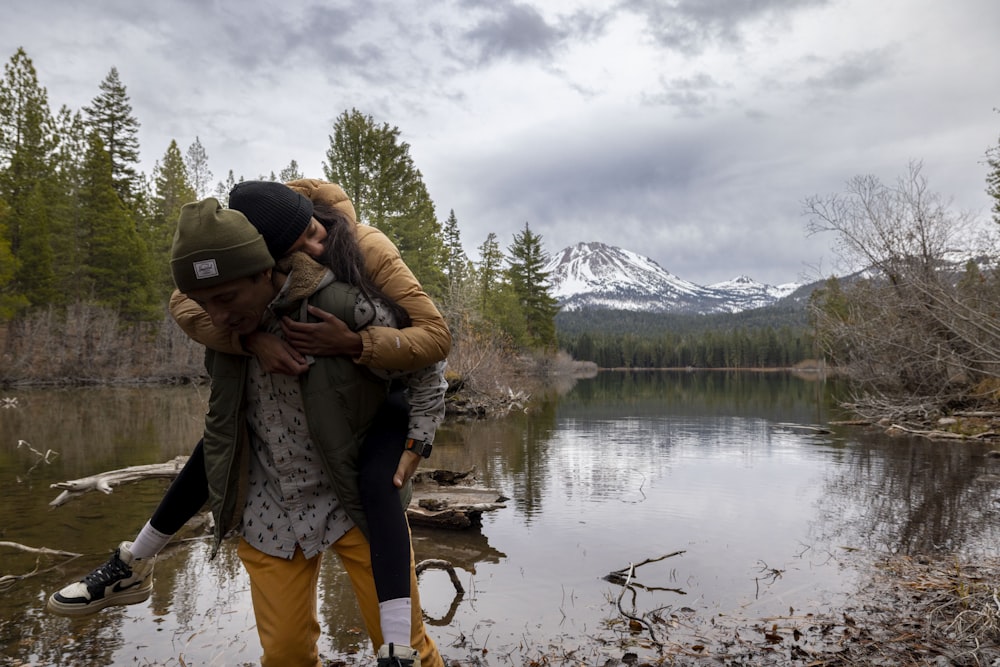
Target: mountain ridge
[{"x": 592, "y": 275}]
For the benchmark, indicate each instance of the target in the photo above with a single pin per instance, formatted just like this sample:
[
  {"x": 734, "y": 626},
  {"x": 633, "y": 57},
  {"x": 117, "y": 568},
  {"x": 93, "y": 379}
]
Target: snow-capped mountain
[{"x": 599, "y": 276}]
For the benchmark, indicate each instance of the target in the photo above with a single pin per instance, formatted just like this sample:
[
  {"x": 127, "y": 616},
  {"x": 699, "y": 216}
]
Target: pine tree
[
  {"x": 25, "y": 120},
  {"x": 291, "y": 172},
  {"x": 993, "y": 180},
  {"x": 529, "y": 281},
  {"x": 118, "y": 269},
  {"x": 27, "y": 183},
  {"x": 35, "y": 275},
  {"x": 351, "y": 156},
  {"x": 419, "y": 239},
  {"x": 196, "y": 161},
  {"x": 26, "y": 142},
  {"x": 375, "y": 169},
  {"x": 110, "y": 115},
  {"x": 456, "y": 262},
  {"x": 11, "y": 301},
  {"x": 489, "y": 271},
  {"x": 172, "y": 189},
  {"x": 64, "y": 204},
  {"x": 223, "y": 188}
]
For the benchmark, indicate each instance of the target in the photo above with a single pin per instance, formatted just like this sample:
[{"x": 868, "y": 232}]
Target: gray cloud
[
  {"x": 689, "y": 96},
  {"x": 689, "y": 131},
  {"x": 852, "y": 71},
  {"x": 689, "y": 26},
  {"x": 514, "y": 31}
]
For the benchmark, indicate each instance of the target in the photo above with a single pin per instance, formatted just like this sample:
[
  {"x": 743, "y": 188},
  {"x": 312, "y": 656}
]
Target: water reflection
[
  {"x": 621, "y": 468},
  {"x": 912, "y": 496}
]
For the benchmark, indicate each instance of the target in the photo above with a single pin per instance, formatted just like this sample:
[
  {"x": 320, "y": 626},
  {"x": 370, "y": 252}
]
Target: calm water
[{"x": 730, "y": 470}]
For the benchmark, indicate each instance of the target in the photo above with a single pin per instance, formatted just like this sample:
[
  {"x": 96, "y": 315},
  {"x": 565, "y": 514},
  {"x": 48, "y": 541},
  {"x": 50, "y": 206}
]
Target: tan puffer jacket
[{"x": 425, "y": 342}]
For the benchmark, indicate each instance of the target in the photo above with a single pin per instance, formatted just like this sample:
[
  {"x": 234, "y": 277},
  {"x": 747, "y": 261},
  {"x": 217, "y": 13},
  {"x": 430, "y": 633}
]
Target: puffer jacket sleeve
[
  {"x": 328, "y": 193},
  {"x": 428, "y": 340},
  {"x": 426, "y": 390},
  {"x": 194, "y": 321}
]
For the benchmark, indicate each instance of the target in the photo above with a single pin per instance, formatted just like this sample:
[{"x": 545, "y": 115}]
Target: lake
[{"x": 735, "y": 487}]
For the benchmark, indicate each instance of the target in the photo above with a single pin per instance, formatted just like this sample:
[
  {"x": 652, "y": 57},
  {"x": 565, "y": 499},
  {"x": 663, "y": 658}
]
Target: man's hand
[
  {"x": 274, "y": 354},
  {"x": 329, "y": 337},
  {"x": 408, "y": 464}
]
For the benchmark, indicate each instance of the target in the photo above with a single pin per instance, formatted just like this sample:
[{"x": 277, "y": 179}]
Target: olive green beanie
[{"x": 214, "y": 245}]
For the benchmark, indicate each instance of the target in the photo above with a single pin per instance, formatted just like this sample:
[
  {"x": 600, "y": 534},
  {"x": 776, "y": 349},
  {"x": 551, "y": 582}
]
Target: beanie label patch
[{"x": 205, "y": 268}]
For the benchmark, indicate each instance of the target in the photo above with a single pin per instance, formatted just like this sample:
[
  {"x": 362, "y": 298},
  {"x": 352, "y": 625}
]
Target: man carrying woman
[{"x": 281, "y": 412}]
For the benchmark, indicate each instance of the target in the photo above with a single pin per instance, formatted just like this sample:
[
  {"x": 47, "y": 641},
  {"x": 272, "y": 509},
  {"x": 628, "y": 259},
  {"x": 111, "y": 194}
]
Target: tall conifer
[
  {"x": 118, "y": 266},
  {"x": 526, "y": 263},
  {"x": 199, "y": 175},
  {"x": 993, "y": 180},
  {"x": 26, "y": 143},
  {"x": 110, "y": 115},
  {"x": 376, "y": 170},
  {"x": 489, "y": 272},
  {"x": 173, "y": 189},
  {"x": 456, "y": 263}
]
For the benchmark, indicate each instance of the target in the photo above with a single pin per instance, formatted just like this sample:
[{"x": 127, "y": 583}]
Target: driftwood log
[
  {"x": 441, "y": 498},
  {"x": 106, "y": 481},
  {"x": 449, "y": 499}
]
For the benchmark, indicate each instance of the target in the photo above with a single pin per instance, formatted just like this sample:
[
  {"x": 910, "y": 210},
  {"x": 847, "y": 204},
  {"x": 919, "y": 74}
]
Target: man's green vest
[{"x": 340, "y": 399}]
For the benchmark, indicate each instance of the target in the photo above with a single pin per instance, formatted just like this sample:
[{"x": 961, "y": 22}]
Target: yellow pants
[{"x": 284, "y": 594}]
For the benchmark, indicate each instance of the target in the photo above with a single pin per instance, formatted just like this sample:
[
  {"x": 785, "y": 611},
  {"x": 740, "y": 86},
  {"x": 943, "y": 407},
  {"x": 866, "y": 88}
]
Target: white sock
[
  {"x": 149, "y": 542},
  {"x": 395, "y": 615}
]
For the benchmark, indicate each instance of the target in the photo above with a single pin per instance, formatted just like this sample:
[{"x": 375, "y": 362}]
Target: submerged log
[{"x": 441, "y": 498}]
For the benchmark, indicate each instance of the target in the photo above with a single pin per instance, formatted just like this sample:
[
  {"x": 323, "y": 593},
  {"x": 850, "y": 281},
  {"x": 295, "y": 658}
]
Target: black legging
[
  {"x": 186, "y": 495},
  {"x": 388, "y": 532}
]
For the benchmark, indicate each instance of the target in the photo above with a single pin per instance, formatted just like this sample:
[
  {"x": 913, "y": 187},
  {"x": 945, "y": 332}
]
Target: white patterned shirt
[{"x": 290, "y": 498}]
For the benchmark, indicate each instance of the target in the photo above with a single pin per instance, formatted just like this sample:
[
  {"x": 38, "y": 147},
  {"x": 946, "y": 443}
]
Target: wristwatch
[{"x": 419, "y": 447}]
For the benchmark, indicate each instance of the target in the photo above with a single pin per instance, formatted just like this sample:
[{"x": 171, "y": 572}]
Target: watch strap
[{"x": 419, "y": 447}]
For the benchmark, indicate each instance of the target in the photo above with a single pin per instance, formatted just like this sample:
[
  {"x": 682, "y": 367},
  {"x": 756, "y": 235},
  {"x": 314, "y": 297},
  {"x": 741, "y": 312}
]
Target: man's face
[
  {"x": 238, "y": 305},
  {"x": 311, "y": 240}
]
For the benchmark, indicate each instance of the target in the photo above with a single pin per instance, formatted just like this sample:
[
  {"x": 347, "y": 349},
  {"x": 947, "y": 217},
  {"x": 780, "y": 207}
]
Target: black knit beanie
[
  {"x": 213, "y": 245},
  {"x": 279, "y": 213}
]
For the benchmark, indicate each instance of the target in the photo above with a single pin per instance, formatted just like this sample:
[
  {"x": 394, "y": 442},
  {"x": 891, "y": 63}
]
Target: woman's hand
[
  {"x": 329, "y": 337},
  {"x": 408, "y": 464},
  {"x": 274, "y": 354}
]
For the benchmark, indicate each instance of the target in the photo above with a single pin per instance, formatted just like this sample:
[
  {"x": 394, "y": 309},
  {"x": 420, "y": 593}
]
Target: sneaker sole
[{"x": 121, "y": 599}]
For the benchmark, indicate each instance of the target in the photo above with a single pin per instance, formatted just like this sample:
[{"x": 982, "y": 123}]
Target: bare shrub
[
  {"x": 916, "y": 332},
  {"x": 86, "y": 344},
  {"x": 481, "y": 358}
]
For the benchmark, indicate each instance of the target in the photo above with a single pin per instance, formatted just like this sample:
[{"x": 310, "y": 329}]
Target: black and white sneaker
[
  {"x": 397, "y": 655},
  {"x": 123, "y": 579}
]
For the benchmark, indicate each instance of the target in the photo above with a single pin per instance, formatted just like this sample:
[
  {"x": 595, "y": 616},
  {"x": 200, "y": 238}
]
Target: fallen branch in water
[
  {"x": 8, "y": 580},
  {"x": 105, "y": 481},
  {"x": 438, "y": 564},
  {"x": 42, "y": 551},
  {"x": 943, "y": 435},
  {"x": 624, "y": 577},
  {"x": 619, "y": 576}
]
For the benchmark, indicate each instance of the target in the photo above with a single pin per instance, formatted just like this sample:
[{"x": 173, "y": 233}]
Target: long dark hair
[{"x": 342, "y": 255}]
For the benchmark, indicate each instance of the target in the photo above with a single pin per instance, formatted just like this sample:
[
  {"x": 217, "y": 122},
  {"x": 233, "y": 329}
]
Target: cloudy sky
[{"x": 688, "y": 131}]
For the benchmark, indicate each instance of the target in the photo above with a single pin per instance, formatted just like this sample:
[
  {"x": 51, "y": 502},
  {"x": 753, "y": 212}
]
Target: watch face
[{"x": 419, "y": 447}]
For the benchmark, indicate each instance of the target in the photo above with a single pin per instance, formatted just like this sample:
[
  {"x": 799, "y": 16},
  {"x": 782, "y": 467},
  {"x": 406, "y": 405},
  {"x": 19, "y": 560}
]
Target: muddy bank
[{"x": 933, "y": 611}]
